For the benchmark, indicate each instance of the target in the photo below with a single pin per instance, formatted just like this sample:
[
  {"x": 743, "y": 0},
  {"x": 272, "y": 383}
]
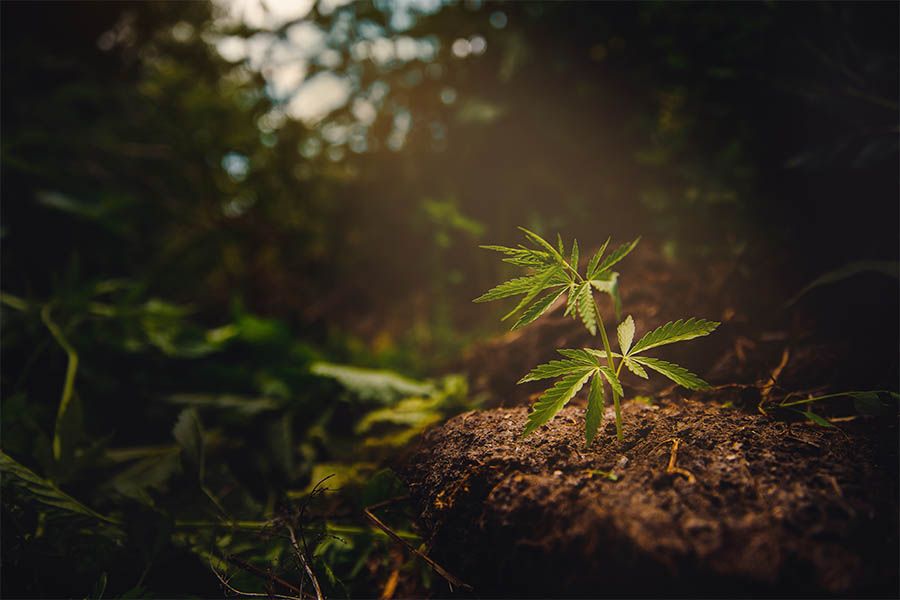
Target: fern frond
[
  {"x": 675, "y": 331},
  {"x": 676, "y": 373},
  {"x": 552, "y": 401}
]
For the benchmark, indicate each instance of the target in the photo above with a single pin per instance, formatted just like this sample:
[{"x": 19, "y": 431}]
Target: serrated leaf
[
  {"x": 617, "y": 255},
  {"x": 676, "y": 373},
  {"x": 595, "y": 259},
  {"x": 557, "y": 256},
  {"x": 559, "y": 244},
  {"x": 541, "y": 306},
  {"x": 571, "y": 301},
  {"x": 609, "y": 284},
  {"x": 524, "y": 257},
  {"x": 42, "y": 490},
  {"x": 613, "y": 380},
  {"x": 580, "y": 355},
  {"x": 625, "y": 333},
  {"x": 556, "y": 368},
  {"x": 513, "y": 287},
  {"x": 594, "y": 414},
  {"x": 675, "y": 331},
  {"x": 573, "y": 259},
  {"x": 587, "y": 309},
  {"x": 635, "y": 368},
  {"x": 552, "y": 401},
  {"x": 542, "y": 282}
]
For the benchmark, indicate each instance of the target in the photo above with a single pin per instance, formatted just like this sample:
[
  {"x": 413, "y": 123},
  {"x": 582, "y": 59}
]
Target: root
[{"x": 673, "y": 458}]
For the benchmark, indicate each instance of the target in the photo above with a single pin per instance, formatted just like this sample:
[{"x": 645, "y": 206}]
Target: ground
[{"x": 705, "y": 495}]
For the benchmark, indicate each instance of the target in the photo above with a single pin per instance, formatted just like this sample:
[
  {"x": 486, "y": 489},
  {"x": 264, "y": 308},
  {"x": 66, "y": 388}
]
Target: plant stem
[{"x": 612, "y": 365}]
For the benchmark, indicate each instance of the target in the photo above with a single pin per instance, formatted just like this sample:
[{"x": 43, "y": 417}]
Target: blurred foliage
[{"x": 228, "y": 229}]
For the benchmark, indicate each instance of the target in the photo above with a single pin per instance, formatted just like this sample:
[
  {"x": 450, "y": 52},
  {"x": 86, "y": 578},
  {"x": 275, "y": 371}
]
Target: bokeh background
[{"x": 240, "y": 239}]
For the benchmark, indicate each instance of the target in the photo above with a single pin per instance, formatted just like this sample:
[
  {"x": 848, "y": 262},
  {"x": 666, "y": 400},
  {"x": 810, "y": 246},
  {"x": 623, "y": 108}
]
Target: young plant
[{"x": 554, "y": 272}]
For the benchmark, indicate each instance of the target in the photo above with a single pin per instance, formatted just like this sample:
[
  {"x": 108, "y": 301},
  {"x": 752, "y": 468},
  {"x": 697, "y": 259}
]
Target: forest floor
[{"x": 705, "y": 495}]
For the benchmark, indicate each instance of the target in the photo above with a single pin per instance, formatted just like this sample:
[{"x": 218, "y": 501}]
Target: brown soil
[{"x": 775, "y": 508}]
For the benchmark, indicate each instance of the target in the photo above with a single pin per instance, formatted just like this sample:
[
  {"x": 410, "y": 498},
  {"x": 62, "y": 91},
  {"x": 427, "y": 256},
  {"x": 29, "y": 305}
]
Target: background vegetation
[{"x": 210, "y": 210}]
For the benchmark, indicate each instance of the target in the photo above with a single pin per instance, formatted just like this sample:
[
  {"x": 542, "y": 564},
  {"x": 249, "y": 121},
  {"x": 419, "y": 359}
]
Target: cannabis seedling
[{"x": 555, "y": 271}]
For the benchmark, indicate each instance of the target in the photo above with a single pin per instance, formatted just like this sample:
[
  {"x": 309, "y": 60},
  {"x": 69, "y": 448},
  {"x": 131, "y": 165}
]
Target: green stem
[
  {"x": 612, "y": 365},
  {"x": 68, "y": 386},
  {"x": 827, "y": 396}
]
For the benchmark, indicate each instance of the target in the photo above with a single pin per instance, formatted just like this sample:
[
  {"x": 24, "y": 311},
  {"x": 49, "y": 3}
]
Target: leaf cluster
[{"x": 554, "y": 272}]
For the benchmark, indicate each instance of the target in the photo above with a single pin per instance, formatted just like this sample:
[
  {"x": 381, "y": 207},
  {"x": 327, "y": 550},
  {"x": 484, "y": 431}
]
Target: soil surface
[
  {"x": 758, "y": 507},
  {"x": 754, "y": 505}
]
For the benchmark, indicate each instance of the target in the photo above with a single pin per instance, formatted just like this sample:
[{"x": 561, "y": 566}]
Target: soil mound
[{"x": 746, "y": 506}]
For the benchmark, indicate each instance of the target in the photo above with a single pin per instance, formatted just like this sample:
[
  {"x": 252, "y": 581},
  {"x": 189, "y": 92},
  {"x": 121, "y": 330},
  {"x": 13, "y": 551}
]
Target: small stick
[
  {"x": 451, "y": 579},
  {"x": 302, "y": 556},
  {"x": 673, "y": 457},
  {"x": 253, "y": 569}
]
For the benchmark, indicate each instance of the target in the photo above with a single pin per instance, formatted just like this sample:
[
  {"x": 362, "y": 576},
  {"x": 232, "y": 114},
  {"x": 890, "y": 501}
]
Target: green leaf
[
  {"x": 595, "y": 260},
  {"x": 625, "y": 333},
  {"x": 573, "y": 259},
  {"x": 610, "y": 376},
  {"x": 523, "y": 257},
  {"x": 42, "y": 490},
  {"x": 372, "y": 385},
  {"x": 582, "y": 356},
  {"x": 572, "y": 301},
  {"x": 676, "y": 373},
  {"x": 617, "y": 255},
  {"x": 594, "y": 414},
  {"x": 556, "y": 368},
  {"x": 885, "y": 267},
  {"x": 557, "y": 256},
  {"x": 867, "y": 403},
  {"x": 587, "y": 309},
  {"x": 559, "y": 244},
  {"x": 817, "y": 419},
  {"x": 513, "y": 287},
  {"x": 635, "y": 368},
  {"x": 538, "y": 308},
  {"x": 543, "y": 281},
  {"x": 552, "y": 401},
  {"x": 610, "y": 285},
  {"x": 676, "y": 331},
  {"x": 188, "y": 432}
]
